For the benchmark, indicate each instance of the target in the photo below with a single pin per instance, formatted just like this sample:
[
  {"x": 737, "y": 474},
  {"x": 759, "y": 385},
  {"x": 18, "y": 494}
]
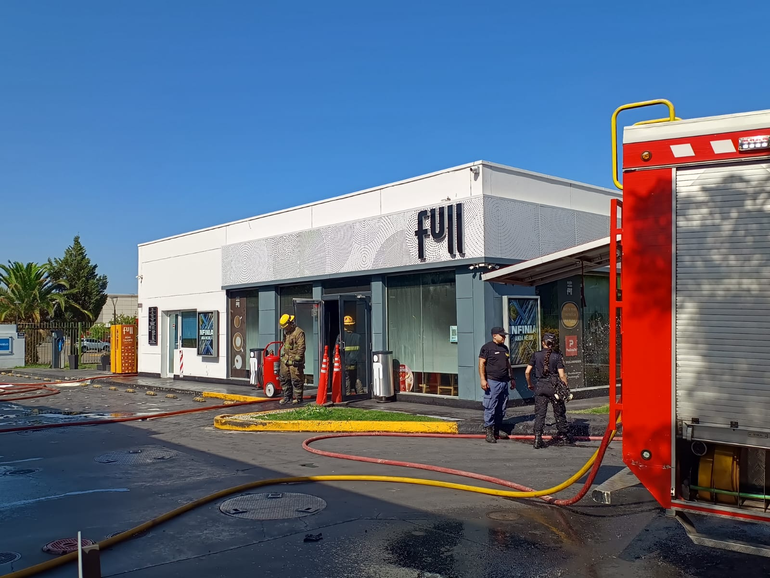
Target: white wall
[
  {"x": 16, "y": 358},
  {"x": 521, "y": 185}
]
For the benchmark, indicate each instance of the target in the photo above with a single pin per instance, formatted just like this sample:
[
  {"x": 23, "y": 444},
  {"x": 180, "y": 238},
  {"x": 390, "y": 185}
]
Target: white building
[{"x": 410, "y": 288}]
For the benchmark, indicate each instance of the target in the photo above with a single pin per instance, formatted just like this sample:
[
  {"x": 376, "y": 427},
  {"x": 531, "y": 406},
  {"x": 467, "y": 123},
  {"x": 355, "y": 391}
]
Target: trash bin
[
  {"x": 73, "y": 361},
  {"x": 383, "y": 385},
  {"x": 104, "y": 363}
]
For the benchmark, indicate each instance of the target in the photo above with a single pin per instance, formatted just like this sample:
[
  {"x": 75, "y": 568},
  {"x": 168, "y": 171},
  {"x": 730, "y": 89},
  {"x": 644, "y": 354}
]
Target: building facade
[{"x": 394, "y": 268}]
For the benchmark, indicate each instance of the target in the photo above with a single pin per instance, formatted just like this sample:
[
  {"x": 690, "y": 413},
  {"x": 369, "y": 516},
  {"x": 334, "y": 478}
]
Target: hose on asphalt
[
  {"x": 19, "y": 389},
  {"x": 592, "y": 464}
]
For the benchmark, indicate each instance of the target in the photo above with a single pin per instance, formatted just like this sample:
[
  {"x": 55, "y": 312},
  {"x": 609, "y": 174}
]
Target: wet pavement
[{"x": 104, "y": 479}]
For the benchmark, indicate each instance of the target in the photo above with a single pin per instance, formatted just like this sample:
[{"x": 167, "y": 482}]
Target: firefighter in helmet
[
  {"x": 292, "y": 373},
  {"x": 350, "y": 342}
]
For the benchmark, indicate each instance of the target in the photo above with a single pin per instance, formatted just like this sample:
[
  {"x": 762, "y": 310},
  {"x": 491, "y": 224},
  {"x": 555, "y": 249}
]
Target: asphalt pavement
[{"x": 104, "y": 479}]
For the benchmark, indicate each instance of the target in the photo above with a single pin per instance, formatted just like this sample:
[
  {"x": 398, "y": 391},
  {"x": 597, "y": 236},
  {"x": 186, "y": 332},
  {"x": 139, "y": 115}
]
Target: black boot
[
  {"x": 500, "y": 434},
  {"x": 491, "y": 435},
  {"x": 539, "y": 443},
  {"x": 563, "y": 439}
]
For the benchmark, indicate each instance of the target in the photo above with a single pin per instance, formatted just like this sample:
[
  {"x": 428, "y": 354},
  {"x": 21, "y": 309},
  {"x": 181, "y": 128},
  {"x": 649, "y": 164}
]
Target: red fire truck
[{"x": 689, "y": 258}]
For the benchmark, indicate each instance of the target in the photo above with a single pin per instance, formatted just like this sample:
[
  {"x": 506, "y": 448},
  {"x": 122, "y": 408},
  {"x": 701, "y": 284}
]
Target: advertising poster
[
  {"x": 239, "y": 362},
  {"x": 571, "y": 330},
  {"x": 208, "y": 333},
  {"x": 521, "y": 318}
]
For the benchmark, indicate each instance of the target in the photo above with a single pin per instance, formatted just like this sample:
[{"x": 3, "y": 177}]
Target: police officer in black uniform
[{"x": 549, "y": 367}]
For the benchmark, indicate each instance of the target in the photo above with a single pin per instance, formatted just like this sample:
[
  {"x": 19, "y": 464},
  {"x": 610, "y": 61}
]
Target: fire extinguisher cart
[{"x": 265, "y": 365}]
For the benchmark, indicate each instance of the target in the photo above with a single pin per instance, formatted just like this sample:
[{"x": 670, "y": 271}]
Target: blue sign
[
  {"x": 208, "y": 333},
  {"x": 6, "y": 345},
  {"x": 522, "y": 321}
]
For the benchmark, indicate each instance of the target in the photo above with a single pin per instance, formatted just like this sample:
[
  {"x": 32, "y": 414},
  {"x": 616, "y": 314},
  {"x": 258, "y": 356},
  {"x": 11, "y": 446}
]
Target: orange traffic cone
[
  {"x": 337, "y": 377},
  {"x": 323, "y": 380}
]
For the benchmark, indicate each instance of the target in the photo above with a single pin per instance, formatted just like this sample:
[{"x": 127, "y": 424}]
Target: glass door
[
  {"x": 355, "y": 346},
  {"x": 309, "y": 316}
]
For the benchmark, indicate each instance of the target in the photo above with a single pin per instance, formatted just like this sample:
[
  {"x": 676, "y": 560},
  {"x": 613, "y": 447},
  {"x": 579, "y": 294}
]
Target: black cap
[
  {"x": 498, "y": 331},
  {"x": 549, "y": 337}
]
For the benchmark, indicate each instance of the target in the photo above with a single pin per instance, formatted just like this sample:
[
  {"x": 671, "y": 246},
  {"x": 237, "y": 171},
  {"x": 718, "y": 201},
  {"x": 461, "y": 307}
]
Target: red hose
[
  {"x": 19, "y": 389},
  {"x": 498, "y": 481}
]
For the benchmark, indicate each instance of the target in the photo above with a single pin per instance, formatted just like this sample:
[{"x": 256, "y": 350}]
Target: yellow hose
[{"x": 44, "y": 566}]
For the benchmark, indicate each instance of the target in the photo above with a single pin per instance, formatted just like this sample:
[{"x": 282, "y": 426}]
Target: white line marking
[
  {"x": 721, "y": 147},
  {"x": 47, "y": 498},
  {"x": 682, "y": 150},
  {"x": 19, "y": 461}
]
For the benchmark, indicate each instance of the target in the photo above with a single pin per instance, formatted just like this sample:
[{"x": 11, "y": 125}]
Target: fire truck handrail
[{"x": 671, "y": 117}]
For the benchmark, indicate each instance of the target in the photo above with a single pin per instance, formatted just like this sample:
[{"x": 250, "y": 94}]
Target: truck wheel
[{"x": 270, "y": 389}]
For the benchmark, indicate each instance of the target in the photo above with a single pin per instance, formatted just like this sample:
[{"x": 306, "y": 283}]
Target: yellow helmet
[
  {"x": 285, "y": 319},
  {"x": 349, "y": 320}
]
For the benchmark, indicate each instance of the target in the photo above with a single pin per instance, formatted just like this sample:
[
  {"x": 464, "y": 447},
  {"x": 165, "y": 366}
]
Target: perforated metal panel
[{"x": 723, "y": 296}]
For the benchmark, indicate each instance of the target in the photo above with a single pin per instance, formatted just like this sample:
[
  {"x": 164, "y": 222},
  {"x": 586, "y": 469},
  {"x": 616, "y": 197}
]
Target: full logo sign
[{"x": 443, "y": 222}]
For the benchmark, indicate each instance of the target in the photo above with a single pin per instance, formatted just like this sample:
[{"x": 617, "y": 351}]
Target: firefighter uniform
[
  {"x": 546, "y": 364},
  {"x": 351, "y": 342},
  {"x": 292, "y": 371}
]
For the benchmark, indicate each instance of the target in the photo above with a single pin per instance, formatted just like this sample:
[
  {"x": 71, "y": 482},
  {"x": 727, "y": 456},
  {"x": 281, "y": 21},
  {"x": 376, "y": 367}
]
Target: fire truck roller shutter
[{"x": 722, "y": 296}]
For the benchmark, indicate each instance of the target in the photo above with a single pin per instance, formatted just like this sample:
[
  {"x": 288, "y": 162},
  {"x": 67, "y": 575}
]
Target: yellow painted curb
[
  {"x": 242, "y": 423},
  {"x": 234, "y": 397}
]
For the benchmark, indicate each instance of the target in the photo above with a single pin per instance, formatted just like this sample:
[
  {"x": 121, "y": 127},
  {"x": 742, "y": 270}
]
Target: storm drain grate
[
  {"x": 135, "y": 457},
  {"x": 275, "y": 506},
  {"x": 65, "y": 545},
  {"x": 9, "y": 557}
]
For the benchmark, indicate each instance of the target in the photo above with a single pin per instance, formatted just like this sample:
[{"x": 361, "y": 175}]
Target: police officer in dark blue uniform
[
  {"x": 549, "y": 367},
  {"x": 496, "y": 373}
]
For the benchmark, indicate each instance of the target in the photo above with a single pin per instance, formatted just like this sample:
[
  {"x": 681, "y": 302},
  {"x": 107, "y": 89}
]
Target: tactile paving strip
[
  {"x": 138, "y": 456},
  {"x": 274, "y": 506}
]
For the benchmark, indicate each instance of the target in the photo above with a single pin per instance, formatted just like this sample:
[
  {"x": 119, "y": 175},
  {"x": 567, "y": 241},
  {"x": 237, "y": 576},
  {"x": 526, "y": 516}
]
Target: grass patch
[
  {"x": 313, "y": 413},
  {"x": 602, "y": 410},
  {"x": 34, "y": 366}
]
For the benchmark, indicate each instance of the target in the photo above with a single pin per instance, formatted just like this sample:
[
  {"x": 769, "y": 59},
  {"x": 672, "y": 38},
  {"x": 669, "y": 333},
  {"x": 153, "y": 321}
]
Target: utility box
[
  {"x": 12, "y": 347},
  {"x": 123, "y": 348}
]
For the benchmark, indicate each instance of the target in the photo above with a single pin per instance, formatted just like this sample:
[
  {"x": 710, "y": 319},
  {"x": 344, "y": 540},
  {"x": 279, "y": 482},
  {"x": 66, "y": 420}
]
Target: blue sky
[{"x": 128, "y": 121}]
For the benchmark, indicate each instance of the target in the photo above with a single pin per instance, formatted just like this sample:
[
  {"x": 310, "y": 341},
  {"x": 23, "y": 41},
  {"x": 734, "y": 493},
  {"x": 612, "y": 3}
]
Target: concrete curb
[{"x": 240, "y": 422}]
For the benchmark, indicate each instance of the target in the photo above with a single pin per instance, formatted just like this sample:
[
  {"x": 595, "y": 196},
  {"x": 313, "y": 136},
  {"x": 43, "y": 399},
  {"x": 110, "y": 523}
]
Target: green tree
[
  {"x": 87, "y": 289},
  {"x": 122, "y": 319},
  {"x": 29, "y": 295}
]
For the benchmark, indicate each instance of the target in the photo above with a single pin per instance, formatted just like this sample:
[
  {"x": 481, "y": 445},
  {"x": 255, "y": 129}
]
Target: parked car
[{"x": 88, "y": 344}]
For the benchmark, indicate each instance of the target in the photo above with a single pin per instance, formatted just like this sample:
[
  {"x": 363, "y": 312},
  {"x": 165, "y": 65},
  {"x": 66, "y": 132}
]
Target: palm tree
[{"x": 28, "y": 295}]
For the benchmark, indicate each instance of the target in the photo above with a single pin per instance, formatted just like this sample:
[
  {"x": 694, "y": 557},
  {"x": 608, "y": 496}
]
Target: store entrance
[{"x": 343, "y": 320}]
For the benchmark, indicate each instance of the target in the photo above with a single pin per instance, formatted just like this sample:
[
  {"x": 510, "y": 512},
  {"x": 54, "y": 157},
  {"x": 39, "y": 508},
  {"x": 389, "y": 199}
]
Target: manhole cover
[
  {"x": 65, "y": 545},
  {"x": 20, "y": 472},
  {"x": 134, "y": 457},
  {"x": 8, "y": 557},
  {"x": 504, "y": 516},
  {"x": 275, "y": 506}
]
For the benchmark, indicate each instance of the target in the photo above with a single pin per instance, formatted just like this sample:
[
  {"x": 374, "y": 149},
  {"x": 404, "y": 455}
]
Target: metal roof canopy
[{"x": 559, "y": 265}]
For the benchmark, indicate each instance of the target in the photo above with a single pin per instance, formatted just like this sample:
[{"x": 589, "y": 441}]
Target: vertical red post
[
  {"x": 323, "y": 380},
  {"x": 337, "y": 377},
  {"x": 616, "y": 305}
]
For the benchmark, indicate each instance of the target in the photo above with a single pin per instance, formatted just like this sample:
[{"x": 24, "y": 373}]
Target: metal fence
[{"x": 68, "y": 338}]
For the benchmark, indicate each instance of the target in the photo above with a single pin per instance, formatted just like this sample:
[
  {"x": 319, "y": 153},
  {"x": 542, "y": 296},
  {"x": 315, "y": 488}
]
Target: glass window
[
  {"x": 306, "y": 321},
  {"x": 291, "y": 292},
  {"x": 421, "y": 311},
  {"x": 189, "y": 329},
  {"x": 595, "y": 326}
]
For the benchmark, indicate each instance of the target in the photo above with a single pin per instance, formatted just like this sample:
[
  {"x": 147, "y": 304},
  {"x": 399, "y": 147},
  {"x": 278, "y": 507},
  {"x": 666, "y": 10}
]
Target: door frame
[
  {"x": 366, "y": 362},
  {"x": 340, "y": 299},
  {"x": 167, "y": 358}
]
